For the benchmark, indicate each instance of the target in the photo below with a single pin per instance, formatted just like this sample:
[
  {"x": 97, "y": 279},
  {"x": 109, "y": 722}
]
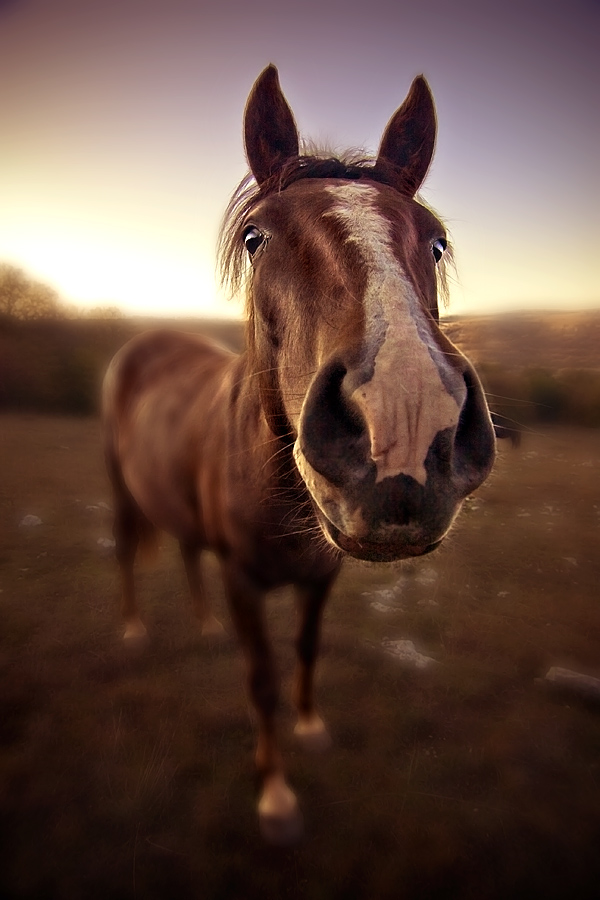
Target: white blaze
[{"x": 405, "y": 403}]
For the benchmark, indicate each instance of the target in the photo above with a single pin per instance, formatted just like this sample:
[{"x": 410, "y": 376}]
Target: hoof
[
  {"x": 282, "y": 832},
  {"x": 280, "y": 820},
  {"x": 136, "y": 636},
  {"x": 312, "y": 734},
  {"x": 211, "y": 627}
]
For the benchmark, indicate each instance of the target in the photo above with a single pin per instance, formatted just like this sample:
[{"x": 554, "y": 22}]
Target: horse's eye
[
  {"x": 437, "y": 248},
  {"x": 253, "y": 239}
]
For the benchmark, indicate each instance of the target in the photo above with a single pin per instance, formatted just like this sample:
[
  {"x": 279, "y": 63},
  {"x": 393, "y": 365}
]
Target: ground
[{"x": 131, "y": 776}]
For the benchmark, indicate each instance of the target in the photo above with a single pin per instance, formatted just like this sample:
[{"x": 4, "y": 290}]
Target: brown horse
[{"x": 351, "y": 425}]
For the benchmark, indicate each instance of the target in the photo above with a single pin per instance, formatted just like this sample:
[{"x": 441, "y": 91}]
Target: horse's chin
[{"x": 374, "y": 551}]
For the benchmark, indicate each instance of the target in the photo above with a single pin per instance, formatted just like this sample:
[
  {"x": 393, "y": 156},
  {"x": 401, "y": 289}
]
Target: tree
[
  {"x": 23, "y": 298},
  {"x": 105, "y": 312}
]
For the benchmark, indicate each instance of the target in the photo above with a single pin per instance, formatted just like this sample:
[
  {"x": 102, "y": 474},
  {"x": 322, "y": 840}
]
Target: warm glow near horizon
[
  {"x": 96, "y": 270},
  {"x": 122, "y": 139},
  {"x": 88, "y": 273}
]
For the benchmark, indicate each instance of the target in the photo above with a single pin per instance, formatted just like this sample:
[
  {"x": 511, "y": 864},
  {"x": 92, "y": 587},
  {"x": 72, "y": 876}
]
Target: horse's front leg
[
  {"x": 310, "y": 599},
  {"x": 279, "y": 816},
  {"x": 191, "y": 553},
  {"x": 125, "y": 531}
]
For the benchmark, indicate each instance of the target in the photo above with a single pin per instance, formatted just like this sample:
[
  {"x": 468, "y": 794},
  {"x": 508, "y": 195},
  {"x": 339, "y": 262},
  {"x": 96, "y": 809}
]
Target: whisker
[{"x": 512, "y": 399}]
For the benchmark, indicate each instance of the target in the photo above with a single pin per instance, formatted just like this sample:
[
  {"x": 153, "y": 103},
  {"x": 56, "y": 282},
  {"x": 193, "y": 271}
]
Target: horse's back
[
  {"x": 161, "y": 401},
  {"x": 158, "y": 362}
]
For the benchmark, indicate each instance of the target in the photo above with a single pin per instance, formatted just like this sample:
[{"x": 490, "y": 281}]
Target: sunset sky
[{"x": 120, "y": 137}]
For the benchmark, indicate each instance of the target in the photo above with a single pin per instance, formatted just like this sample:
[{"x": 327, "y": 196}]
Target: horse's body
[
  {"x": 350, "y": 425},
  {"x": 186, "y": 437}
]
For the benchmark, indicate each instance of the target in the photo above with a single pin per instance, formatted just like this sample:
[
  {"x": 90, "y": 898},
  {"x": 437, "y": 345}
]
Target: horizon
[
  {"x": 516, "y": 311},
  {"x": 214, "y": 317}
]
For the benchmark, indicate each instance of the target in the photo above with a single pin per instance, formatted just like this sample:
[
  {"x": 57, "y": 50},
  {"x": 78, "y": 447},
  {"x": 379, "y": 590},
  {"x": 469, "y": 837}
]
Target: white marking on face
[{"x": 405, "y": 403}]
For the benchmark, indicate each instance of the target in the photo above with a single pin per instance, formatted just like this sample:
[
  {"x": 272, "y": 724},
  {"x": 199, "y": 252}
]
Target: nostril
[
  {"x": 474, "y": 442},
  {"x": 329, "y": 402},
  {"x": 333, "y": 434}
]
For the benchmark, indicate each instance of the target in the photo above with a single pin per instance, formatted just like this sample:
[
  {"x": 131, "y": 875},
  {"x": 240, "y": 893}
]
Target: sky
[{"x": 121, "y": 136}]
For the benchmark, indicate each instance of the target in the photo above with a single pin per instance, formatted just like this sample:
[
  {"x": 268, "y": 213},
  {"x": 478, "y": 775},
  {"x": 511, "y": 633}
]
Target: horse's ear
[
  {"x": 270, "y": 133},
  {"x": 409, "y": 138}
]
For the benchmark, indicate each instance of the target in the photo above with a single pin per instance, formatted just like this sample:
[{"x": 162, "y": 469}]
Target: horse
[{"x": 349, "y": 426}]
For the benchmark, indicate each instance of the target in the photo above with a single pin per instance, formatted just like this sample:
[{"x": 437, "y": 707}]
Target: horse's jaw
[
  {"x": 381, "y": 522},
  {"x": 399, "y": 547}
]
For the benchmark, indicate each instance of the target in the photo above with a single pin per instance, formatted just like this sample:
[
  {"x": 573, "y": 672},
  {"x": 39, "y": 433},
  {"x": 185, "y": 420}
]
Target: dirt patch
[{"x": 132, "y": 777}]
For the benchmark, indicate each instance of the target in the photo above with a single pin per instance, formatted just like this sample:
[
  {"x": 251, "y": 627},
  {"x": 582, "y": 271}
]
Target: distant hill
[
  {"x": 551, "y": 340},
  {"x": 534, "y": 366}
]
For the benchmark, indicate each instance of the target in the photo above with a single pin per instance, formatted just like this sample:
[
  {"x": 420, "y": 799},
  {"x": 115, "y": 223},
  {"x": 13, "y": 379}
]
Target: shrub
[{"x": 581, "y": 391}]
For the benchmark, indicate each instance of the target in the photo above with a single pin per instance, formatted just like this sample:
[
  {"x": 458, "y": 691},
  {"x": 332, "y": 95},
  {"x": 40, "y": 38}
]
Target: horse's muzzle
[
  {"x": 399, "y": 515},
  {"x": 376, "y": 551}
]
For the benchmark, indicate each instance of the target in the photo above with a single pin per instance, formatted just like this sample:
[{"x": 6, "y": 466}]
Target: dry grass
[{"x": 132, "y": 777}]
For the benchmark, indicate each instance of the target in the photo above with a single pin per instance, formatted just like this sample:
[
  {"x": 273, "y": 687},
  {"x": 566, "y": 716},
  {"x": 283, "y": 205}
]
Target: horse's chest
[{"x": 285, "y": 546}]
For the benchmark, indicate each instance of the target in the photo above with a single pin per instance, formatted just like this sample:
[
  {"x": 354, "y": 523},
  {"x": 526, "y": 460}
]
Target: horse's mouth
[{"x": 375, "y": 551}]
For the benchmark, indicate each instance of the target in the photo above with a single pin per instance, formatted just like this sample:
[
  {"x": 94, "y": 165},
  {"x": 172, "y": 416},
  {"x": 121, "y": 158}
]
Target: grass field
[{"x": 131, "y": 777}]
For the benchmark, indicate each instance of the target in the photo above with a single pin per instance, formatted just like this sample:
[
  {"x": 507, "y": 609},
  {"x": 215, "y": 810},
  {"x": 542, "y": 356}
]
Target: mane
[{"x": 352, "y": 165}]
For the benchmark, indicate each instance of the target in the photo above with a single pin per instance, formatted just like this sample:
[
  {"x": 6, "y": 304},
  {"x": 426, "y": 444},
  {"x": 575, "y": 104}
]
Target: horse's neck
[
  {"x": 263, "y": 456},
  {"x": 268, "y": 512}
]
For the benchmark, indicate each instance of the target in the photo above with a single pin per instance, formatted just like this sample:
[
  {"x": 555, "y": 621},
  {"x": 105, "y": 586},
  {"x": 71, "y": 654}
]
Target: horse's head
[{"x": 389, "y": 423}]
